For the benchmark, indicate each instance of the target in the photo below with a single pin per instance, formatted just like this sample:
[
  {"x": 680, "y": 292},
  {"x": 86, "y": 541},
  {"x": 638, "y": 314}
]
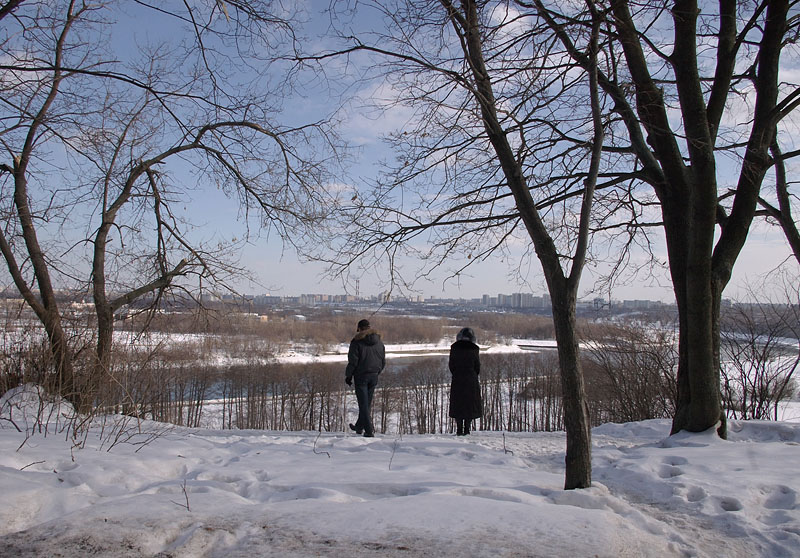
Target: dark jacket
[
  {"x": 367, "y": 354},
  {"x": 465, "y": 389}
]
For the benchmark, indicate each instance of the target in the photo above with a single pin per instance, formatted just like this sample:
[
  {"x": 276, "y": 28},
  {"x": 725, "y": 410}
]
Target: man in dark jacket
[{"x": 365, "y": 360}]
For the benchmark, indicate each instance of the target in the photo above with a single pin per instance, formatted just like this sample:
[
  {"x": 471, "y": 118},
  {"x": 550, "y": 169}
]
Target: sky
[
  {"x": 168, "y": 491},
  {"x": 281, "y": 272},
  {"x": 278, "y": 270}
]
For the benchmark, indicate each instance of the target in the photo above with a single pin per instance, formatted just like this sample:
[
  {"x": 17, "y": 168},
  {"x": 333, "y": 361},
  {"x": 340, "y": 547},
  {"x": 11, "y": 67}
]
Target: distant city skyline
[
  {"x": 500, "y": 300},
  {"x": 283, "y": 274}
]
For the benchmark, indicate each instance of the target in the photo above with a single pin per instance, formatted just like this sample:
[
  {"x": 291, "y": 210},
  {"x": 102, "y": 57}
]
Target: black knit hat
[{"x": 363, "y": 324}]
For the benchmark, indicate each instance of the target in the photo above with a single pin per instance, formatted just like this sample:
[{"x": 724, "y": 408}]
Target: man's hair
[{"x": 363, "y": 324}]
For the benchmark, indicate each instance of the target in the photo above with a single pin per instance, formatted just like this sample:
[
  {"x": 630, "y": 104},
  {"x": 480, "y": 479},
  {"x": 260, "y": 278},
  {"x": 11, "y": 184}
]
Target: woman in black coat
[{"x": 465, "y": 389}]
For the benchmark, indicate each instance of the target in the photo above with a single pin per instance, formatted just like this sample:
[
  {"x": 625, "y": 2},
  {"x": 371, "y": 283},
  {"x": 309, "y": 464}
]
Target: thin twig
[
  {"x": 31, "y": 464},
  {"x": 186, "y": 497},
  {"x": 315, "y": 446},
  {"x": 14, "y": 424},
  {"x": 504, "y": 445},
  {"x": 394, "y": 449}
]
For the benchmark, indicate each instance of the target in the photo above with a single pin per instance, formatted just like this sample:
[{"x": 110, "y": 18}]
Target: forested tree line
[{"x": 320, "y": 325}]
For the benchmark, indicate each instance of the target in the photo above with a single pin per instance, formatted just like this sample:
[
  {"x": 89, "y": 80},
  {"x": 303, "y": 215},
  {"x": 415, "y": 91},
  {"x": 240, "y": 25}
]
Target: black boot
[
  {"x": 466, "y": 427},
  {"x": 356, "y": 429},
  {"x": 459, "y": 427}
]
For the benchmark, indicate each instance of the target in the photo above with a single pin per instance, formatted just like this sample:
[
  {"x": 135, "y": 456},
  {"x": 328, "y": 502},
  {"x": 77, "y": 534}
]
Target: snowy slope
[{"x": 253, "y": 493}]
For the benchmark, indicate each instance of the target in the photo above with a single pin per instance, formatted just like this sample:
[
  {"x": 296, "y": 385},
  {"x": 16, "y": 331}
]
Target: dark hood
[{"x": 369, "y": 336}]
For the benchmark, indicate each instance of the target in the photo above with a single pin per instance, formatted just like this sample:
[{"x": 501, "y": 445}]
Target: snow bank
[{"x": 245, "y": 493}]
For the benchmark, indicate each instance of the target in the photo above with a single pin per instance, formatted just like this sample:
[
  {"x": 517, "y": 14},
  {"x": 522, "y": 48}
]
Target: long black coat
[{"x": 465, "y": 389}]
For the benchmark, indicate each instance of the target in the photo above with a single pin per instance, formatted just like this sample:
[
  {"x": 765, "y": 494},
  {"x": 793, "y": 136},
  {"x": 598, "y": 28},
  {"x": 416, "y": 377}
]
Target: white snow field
[{"x": 205, "y": 493}]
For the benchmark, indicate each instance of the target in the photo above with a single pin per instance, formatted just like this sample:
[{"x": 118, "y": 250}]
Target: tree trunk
[
  {"x": 66, "y": 385},
  {"x": 576, "y": 413},
  {"x": 45, "y": 305},
  {"x": 105, "y": 334},
  {"x": 689, "y": 234}
]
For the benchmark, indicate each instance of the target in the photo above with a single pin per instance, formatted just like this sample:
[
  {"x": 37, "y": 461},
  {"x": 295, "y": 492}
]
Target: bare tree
[
  {"x": 693, "y": 94},
  {"x": 652, "y": 76},
  {"x": 102, "y": 145},
  {"x": 484, "y": 162}
]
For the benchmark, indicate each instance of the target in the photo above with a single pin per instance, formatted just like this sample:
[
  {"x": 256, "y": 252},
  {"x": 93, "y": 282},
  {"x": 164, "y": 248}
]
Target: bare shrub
[
  {"x": 630, "y": 374},
  {"x": 760, "y": 353},
  {"x": 283, "y": 397},
  {"x": 422, "y": 387},
  {"x": 541, "y": 394},
  {"x": 25, "y": 357},
  {"x": 521, "y": 392}
]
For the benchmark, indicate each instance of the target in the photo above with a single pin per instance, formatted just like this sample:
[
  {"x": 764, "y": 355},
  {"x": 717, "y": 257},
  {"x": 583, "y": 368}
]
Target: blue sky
[
  {"x": 280, "y": 271},
  {"x": 284, "y": 274}
]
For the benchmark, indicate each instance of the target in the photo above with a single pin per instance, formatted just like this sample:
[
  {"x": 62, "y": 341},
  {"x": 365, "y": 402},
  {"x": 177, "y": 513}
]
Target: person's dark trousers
[
  {"x": 365, "y": 389},
  {"x": 462, "y": 426}
]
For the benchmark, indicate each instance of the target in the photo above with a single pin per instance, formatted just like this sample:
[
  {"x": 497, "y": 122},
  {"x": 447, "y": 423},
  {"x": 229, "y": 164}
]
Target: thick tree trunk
[
  {"x": 698, "y": 407},
  {"x": 65, "y": 383},
  {"x": 105, "y": 333}
]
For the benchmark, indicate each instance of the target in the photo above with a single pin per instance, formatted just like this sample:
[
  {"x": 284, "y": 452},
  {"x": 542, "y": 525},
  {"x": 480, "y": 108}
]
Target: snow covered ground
[{"x": 190, "y": 493}]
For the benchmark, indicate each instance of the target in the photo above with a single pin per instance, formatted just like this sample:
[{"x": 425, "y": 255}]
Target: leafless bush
[
  {"x": 521, "y": 392},
  {"x": 32, "y": 410},
  {"x": 630, "y": 374},
  {"x": 539, "y": 401},
  {"x": 760, "y": 353},
  {"x": 421, "y": 386},
  {"x": 25, "y": 357},
  {"x": 284, "y": 397}
]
